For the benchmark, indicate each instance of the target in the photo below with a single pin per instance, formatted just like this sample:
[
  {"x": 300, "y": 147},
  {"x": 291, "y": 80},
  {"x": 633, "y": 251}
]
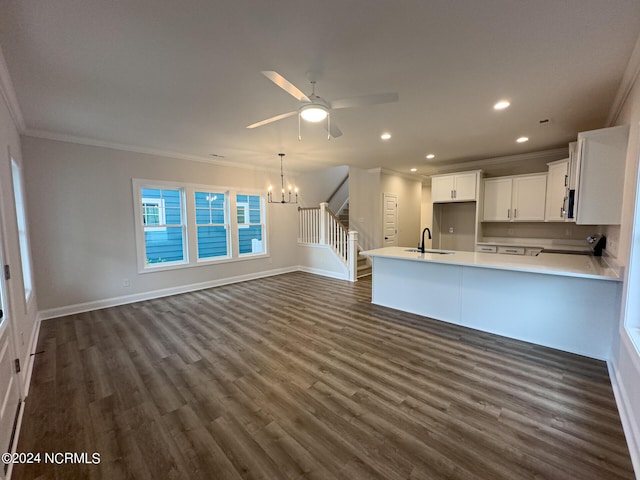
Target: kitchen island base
[{"x": 570, "y": 313}]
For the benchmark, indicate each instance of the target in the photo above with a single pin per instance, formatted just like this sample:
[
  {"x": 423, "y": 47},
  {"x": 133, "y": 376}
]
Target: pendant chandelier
[{"x": 283, "y": 199}]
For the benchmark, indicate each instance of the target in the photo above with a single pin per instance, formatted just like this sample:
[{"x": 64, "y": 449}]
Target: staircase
[
  {"x": 363, "y": 266},
  {"x": 343, "y": 216}
]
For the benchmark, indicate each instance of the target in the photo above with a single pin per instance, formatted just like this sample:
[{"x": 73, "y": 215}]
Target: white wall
[
  {"x": 365, "y": 207},
  {"x": 409, "y": 192},
  {"x": 22, "y": 317},
  {"x": 82, "y": 225},
  {"x": 426, "y": 214},
  {"x": 625, "y": 359},
  {"x": 317, "y": 186}
]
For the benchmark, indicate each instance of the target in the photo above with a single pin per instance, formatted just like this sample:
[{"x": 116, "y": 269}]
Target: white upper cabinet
[
  {"x": 515, "y": 199},
  {"x": 557, "y": 191},
  {"x": 528, "y": 200},
  {"x": 497, "y": 199},
  {"x": 458, "y": 187},
  {"x": 600, "y": 168}
]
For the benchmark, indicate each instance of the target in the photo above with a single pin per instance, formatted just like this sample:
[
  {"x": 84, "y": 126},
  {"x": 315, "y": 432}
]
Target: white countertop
[{"x": 584, "y": 266}]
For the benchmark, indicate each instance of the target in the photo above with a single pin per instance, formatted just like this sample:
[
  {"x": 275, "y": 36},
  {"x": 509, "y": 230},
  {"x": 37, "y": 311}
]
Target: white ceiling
[{"x": 184, "y": 76}]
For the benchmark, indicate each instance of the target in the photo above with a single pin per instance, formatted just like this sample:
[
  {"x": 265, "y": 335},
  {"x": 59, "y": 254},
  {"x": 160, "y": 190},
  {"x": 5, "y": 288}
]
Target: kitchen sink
[{"x": 427, "y": 250}]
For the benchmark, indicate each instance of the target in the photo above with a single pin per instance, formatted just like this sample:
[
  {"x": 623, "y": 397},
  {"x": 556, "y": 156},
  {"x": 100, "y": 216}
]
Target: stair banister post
[
  {"x": 323, "y": 223},
  {"x": 352, "y": 255}
]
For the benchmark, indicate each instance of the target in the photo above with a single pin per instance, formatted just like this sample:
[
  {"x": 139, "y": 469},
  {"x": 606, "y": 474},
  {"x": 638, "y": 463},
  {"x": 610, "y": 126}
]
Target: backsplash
[{"x": 552, "y": 231}]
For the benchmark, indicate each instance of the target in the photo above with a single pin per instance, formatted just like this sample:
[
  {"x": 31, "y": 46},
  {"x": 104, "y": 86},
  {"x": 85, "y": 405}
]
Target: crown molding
[
  {"x": 8, "y": 94},
  {"x": 627, "y": 83},
  {"x": 61, "y": 137},
  {"x": 551, "y": 155}
]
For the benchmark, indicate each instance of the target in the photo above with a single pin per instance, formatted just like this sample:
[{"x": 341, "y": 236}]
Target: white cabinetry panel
[
  {"x": 515, "y": 199},
  {"x": 529, "y": 198},
  {"x": 497, "y": 199},
  {"x": 457, "y": 187},
  {"x": 557, "y": 190},
  {"x": 600, "y": 175}
]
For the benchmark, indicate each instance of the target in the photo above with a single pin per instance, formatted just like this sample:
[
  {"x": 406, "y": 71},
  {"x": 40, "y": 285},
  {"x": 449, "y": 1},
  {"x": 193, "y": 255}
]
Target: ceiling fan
[{"x": 314, "y": 108}]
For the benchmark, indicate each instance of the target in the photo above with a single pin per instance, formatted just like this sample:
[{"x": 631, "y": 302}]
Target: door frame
[
  {"x": 384, "y": 202},
  {"x": 7, "y": 328}
]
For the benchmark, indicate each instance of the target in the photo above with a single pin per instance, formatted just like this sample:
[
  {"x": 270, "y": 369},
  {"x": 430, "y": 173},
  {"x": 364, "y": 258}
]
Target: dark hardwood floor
[{"x": 299, "y": 376}]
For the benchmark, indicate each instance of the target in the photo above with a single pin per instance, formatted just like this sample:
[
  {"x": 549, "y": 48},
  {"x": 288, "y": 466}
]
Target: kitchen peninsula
[{"x": 568, "y": 302}]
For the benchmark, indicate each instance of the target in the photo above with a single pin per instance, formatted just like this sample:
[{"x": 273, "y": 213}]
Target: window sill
[{"x": 203, "y": 263}]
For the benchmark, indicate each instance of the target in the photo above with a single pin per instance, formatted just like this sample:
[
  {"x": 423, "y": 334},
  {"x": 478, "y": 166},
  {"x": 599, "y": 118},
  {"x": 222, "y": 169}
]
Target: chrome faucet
[{"x": 421, "y": 246}]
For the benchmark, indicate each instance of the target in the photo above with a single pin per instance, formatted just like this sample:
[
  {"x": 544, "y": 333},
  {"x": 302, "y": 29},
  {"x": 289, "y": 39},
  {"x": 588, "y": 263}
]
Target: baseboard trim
[
  {"x": 138, "y": 297},
  {"x": 33, "y": 345},
  {"x": 629, "y": 423},
  {"x": 323, "y": 273},
  {"x": 14, "y": 445}
]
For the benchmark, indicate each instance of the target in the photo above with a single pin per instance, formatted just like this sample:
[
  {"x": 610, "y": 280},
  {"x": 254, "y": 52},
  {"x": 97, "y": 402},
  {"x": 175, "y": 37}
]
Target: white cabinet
[
  {"x": 458, "y": 187},
  {"x": 600, "y": 175},
  {"x": 529, "y": 198},
  {"x": 557, "y": 191},
  {"x": 515, "y": 199},
  {"x": 497, "y": 199},
  {"x": 511, "y": 250}
]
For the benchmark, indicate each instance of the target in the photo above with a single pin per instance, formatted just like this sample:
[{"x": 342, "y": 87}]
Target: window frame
[
  {"x": 247, "y": 215},
  {"x": 226, "y": 224},
  {"x": 140, "y": 228},
  {"x": 22, "y": 229},
  {"x": 189, "y": 219}
]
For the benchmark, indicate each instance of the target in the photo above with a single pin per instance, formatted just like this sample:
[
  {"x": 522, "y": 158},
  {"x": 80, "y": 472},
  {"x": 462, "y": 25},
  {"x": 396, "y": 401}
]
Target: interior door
[
  {"x": 390, "y": 220},
  {"x": 9, "y": 388}
]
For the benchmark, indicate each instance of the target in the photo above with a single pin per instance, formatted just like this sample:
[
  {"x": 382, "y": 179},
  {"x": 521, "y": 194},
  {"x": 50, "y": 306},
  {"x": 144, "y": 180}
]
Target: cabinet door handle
[
  {"x": 451, "y": 192},
  {"x": 508, "y": 213},
  {"x": 515, "y": 212},
  {"x": 566, "y": 180}
]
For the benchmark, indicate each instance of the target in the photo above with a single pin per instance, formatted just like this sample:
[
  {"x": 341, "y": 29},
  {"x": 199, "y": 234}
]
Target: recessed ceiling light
[
  {"x": 385, "y": 136},
  {"x": 522, "y": 139},
  {"x": 430, "y": 156},
  {"x": 414, "y": 169},
  {"x": 501, "y": 105}
]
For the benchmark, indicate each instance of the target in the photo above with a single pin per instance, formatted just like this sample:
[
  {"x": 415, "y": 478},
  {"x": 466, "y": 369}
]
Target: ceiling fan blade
[
  {"x": 365, "y": 100},
  {"x": 334, "y": 131},
  {"x": 286, "y": 85},
  {"x": 272, "y": 119}
]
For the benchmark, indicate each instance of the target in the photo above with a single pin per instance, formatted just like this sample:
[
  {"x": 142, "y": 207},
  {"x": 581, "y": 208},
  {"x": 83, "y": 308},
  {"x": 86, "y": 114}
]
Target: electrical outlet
[
  {"x": 450, "y": 229},
  {"x": 125, "y": 282}
]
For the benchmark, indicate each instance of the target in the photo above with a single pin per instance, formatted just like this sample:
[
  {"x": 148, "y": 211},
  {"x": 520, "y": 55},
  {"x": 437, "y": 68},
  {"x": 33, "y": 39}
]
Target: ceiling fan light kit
[
  {"x": 314, "y": 113},
  {"x": 315, "y": 109}
]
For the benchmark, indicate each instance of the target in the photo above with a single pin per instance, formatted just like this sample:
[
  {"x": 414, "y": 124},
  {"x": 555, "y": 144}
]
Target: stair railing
[
  {"x": 309, "y": 225},
  {"x": 322, "y": 227}
]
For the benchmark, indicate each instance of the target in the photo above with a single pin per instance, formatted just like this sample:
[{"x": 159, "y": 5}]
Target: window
[
  {"x": 181, "y": 225},
  {"x": 164, "y": 227},
  {"x": 23, "y": 237},
  {"x": 250, "y": 225},
  {"x": 211, "y": 224}
]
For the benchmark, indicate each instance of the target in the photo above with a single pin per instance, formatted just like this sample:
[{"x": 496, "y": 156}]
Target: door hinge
[
  {"x": 17, "y": 362},
  {"x": 7, "y": 272}
]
